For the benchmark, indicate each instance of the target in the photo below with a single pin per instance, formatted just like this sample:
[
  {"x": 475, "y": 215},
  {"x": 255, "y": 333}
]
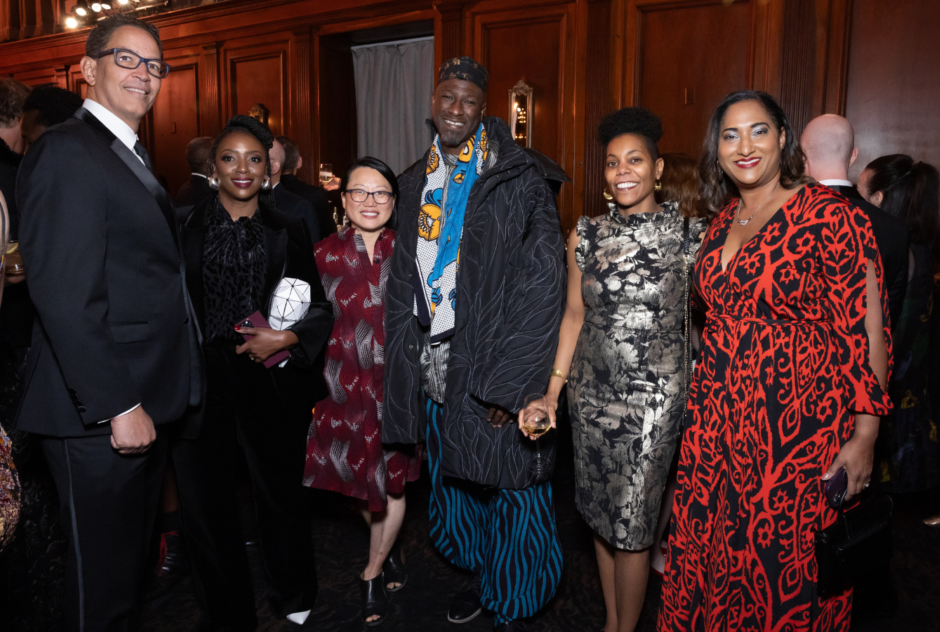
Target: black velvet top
[{"x": 234, "y": 268}]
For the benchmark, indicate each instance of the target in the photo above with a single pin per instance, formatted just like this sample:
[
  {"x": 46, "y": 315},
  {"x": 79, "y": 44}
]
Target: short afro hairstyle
[{"x": 637, "y": 121}]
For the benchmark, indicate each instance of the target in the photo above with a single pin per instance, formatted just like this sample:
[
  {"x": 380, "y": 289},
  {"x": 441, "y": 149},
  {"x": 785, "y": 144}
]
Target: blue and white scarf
[{"x": 439, "y": 233}]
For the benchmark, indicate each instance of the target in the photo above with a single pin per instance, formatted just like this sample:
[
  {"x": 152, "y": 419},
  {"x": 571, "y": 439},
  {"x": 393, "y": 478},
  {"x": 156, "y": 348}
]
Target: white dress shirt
[
  {"x": 836, "y": 183},
  {"x": 118, "y": 127},
  {"x": 127, "y": 136}
]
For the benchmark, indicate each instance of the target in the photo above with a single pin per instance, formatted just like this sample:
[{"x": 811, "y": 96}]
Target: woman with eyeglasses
[{"x": 344, "y": 450}]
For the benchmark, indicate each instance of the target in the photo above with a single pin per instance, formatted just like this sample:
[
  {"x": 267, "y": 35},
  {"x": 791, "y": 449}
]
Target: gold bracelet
[{"x": 556, "y": 372}]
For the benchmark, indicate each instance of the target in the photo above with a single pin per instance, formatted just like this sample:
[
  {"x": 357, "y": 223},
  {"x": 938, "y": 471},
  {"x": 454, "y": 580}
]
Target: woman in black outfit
[{"x": 238, "y": 250}]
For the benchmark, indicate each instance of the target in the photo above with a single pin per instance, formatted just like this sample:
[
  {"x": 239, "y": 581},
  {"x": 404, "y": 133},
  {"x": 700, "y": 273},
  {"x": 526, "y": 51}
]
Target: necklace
[{"x": 744, "y": 222}]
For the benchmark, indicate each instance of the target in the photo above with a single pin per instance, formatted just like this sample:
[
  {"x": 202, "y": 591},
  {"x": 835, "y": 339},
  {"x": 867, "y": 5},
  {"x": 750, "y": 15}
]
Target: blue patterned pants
[{"x": 507, "y": 536}]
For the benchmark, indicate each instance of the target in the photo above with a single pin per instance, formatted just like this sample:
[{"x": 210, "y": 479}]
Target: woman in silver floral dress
[{"x": 622, "y": 341}]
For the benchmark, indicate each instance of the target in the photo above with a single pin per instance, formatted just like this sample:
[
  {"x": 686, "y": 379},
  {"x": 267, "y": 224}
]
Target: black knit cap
[{"x": 465, "y": 68}]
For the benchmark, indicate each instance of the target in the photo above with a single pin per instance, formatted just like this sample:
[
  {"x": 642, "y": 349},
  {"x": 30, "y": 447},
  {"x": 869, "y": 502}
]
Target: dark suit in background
[
  {"x": 193, "y": 191},
  {"x": 893, "y": 244},
  {"x": 114, "y": 330},
  {"x": 318, "y": 200},
  {"x": 296, "y": 206}
]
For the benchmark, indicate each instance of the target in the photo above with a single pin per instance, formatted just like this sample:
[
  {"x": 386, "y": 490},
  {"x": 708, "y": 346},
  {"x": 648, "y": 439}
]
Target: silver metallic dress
[{"x": 625, "y": 388}]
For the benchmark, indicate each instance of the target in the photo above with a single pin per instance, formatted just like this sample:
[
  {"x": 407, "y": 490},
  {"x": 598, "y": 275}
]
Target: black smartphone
[{"x": 836, "y": 487}]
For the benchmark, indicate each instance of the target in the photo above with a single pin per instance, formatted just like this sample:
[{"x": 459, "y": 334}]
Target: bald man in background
[
  {"x": 286, "y": 201},
  {"x": 829, "y": 144}
]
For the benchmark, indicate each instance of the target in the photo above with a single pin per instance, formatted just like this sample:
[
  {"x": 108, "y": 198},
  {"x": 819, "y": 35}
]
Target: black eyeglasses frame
[{"x": 143, "y": 60}]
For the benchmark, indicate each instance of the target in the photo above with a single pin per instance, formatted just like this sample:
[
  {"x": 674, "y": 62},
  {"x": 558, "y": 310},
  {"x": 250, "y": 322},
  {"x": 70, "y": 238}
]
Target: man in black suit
[
  {"x": 286, "y": 201},
  {"x": 196, "y": 189},
  {"x": 313, "y": 194},
  {"x": 115, "y": 349},
  {"x": 829, "y": 144}
]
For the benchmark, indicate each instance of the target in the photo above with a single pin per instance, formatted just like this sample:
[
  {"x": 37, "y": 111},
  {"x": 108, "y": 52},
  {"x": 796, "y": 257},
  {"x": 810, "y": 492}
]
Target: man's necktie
[{"x": 142, "y": 152}]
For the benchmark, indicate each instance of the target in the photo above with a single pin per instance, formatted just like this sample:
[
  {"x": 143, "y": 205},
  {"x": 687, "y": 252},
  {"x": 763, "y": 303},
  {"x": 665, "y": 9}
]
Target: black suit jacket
[
  {"x": 296, "y": 206},
  {"x": 289, "y": 253},
  {"x": 193, "y": 191},
  {"x": 318, "y": 200},
  {"x": 893, "y": 244},
  {"x": 101, "y": 245}
]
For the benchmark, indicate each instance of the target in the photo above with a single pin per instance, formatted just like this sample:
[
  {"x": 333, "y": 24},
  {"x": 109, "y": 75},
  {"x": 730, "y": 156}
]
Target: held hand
[
  {"x": 498, "y": 416},
  {"x": 266, "y": 342},
  {"x": 133, "y": 432},
  {"x": 538, "y": 407},
  {"x": 857, "y": 457},
  {"x": 333, "y": 184}
]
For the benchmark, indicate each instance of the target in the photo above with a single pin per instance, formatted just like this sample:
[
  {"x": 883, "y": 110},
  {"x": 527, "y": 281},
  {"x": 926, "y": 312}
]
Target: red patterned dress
[
  {"x": 784, "y": 369},
  {"x": 344, "y": 445}
]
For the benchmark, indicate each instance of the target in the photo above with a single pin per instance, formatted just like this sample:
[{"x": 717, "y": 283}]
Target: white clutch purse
[{"x": 289, "y": 304}]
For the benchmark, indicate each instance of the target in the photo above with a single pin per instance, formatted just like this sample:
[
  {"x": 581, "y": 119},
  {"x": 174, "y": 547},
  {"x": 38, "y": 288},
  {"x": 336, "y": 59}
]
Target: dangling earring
[
  {"x": 608, "y": 196},
  {"x": 659, "y": 186},
  {"x": 214, "y": 183},
  {"x": 266, "y": 185}
]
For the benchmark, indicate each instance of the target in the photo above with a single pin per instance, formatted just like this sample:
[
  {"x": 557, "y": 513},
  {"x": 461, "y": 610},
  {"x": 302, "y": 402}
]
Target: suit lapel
[{"x": 130, "y": 159}]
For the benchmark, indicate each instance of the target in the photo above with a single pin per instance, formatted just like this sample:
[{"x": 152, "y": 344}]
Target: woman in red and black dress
[
  {"x": 787, "y": 389},
  {"x": 344, "y": 447}
]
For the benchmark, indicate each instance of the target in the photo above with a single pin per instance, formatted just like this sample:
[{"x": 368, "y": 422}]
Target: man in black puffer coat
[{"x": 458, "y": 387}]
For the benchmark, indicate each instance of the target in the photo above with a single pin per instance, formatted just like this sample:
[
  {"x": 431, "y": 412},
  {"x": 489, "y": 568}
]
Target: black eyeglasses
[
  {"x": 130, "y": 60},
  {"x": 380, "y": 197}
]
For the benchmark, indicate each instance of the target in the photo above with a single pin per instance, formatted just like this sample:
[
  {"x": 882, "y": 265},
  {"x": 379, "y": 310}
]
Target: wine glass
[
  {"x": 326, "y": 172},
  {"x": 536, "y": 422},
  {"x": 13, "y": 260}
]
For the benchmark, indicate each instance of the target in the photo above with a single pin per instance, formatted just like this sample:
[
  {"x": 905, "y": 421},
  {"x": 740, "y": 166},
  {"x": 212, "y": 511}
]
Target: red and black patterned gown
[
  {"x": 344, "y": 444},
  {"x": 784, "y": 369}
]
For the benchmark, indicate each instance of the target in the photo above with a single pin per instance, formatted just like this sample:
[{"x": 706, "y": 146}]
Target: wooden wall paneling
[
  {"x": 256, "y": 72},
  {"x": 451, "y": 31},
  {"x": 300, "y": 128},
  {"x": 798, "y": 71},
  {"x": 174, "y": 119},
  {"x": 836, "y": 22},
  {"x": 678, "y": 66},
  {"x": 594, "y": 99},
  {"x": 210, "y": 104},
  {"x": 893, "y": 80},
  {"x": 56, "y": 76},
  {"x": 76, "y": 80},
  {"x": 535, "y": 45}
]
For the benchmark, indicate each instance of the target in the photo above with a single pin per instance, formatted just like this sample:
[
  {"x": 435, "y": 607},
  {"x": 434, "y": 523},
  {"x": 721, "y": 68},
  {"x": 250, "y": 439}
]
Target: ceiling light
[
  {"x": 71, "y": 22},
  {"x": 105, "y": 6},
  {"x": 122, "y": 1},
  {"x": 80, "y": 8},
  {"x": 95, "y": 7}
]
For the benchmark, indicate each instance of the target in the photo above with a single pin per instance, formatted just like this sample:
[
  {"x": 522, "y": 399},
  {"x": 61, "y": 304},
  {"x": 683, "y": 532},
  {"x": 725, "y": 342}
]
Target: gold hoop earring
[
  {"x": 608, "y": 196},
  {"x": 659, "y": 186}
]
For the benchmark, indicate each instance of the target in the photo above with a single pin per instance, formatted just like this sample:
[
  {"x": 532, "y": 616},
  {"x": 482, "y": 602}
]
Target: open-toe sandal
[
  {"x": 394, "y": 570},
  {"x": 374, "y": 601}
]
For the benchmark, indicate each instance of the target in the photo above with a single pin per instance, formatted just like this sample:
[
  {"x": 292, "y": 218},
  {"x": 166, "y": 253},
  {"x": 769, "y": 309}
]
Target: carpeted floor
[{"x": 341, "y": 540}]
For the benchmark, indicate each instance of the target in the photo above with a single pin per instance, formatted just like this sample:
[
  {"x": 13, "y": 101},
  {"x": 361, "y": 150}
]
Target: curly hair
[
  {"x": 680, "y": 184},
  {"x": 249, "y": 125},
  {"x": 637, "y": 121},
  {"x": 12, "y": 96},
  {"x": 716, "y": 187}
]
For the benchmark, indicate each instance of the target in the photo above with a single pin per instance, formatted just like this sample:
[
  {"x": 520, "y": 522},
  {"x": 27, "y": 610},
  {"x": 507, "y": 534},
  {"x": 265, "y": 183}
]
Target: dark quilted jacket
[{"x": 510, "y": 300}]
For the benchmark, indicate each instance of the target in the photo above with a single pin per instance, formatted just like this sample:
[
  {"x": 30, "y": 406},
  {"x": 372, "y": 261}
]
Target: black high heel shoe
[
  {"x": 394, "y": 569},
  {"x": 374, "y": 601}
]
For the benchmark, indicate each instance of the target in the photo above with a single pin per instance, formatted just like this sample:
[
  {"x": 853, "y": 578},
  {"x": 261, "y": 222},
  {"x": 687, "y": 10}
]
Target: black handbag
[{"x": 858, "y": 541}]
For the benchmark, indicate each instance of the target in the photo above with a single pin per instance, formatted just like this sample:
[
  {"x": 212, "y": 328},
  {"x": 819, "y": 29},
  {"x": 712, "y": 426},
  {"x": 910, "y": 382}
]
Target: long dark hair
[
  {"x": 248, "y": 125},
  {"x": 386, "y": 172},
  {"x": 716, "y": 187},
  {"x": 911, "y": 192},
  {"x": 680, "y": 184}
]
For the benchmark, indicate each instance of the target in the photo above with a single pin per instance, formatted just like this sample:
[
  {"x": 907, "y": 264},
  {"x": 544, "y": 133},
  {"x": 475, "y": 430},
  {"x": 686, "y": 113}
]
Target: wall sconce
[
  {"x": 260, "y": 113},
  {"x": 520, "y": 113}
]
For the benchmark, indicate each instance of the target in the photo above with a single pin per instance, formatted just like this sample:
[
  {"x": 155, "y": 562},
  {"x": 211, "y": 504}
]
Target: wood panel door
[
  {"x": 683, "y": 57},
  {"x": 174, "y": 120},
  {"x": 256, "y": 73},
  {"x": 537, "y": 46},
  {"x": 893, "y": 82}
]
